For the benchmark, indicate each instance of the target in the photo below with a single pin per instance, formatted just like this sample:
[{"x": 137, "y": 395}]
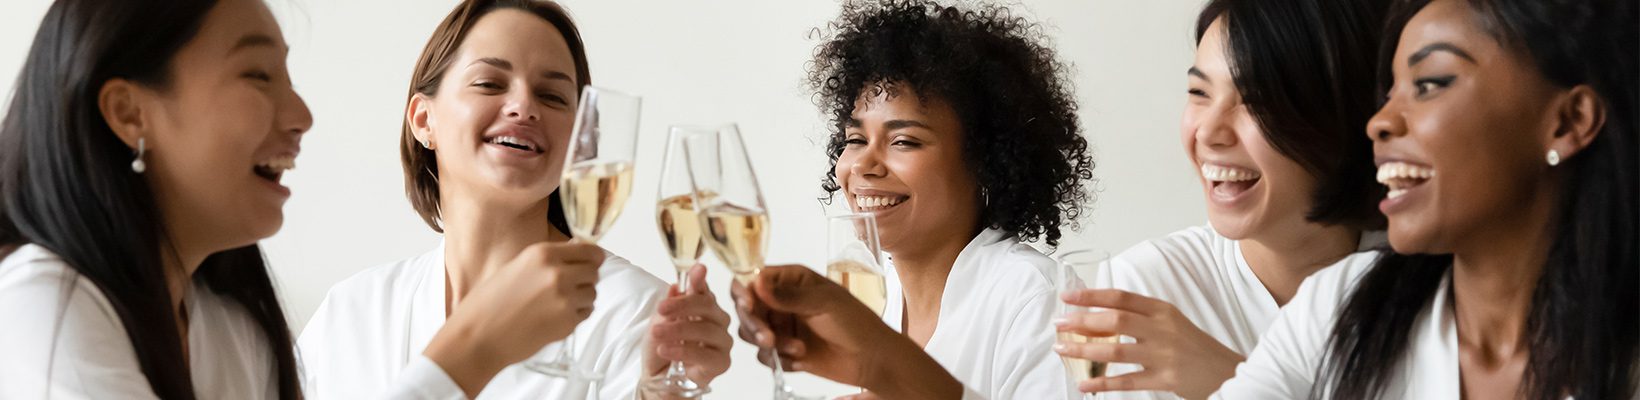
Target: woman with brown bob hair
[{"x": 487, "y": 122}]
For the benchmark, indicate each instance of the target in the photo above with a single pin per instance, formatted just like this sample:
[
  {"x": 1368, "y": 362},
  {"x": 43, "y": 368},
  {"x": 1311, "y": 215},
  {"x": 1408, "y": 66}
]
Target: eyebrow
[
  {"x": 1193, "y": 71},
  {"x": 254, "y": 40},
  {"x": 1425, "y": 52},
  {"x": 892, "y": 124},
  {"x": 508, "y": 66}
]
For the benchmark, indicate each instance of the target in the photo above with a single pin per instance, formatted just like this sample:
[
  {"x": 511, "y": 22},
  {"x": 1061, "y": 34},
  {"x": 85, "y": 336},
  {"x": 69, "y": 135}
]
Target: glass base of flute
[
  {"x": 781, "y": 391},
  {"x": 675, "y": 383}
]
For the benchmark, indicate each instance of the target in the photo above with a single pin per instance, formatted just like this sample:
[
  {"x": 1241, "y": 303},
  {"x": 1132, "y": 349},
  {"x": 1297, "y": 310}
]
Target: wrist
[{"x": 458, "y": 351}]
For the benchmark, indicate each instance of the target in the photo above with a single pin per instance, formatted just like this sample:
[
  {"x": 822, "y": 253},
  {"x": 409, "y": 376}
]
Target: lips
[
  {"x": 1229, "y": 181},
  {"x": 1401, "y": 176}
]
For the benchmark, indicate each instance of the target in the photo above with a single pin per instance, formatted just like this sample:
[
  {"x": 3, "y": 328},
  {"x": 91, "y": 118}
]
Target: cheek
[{"x": 463, "y": 119}]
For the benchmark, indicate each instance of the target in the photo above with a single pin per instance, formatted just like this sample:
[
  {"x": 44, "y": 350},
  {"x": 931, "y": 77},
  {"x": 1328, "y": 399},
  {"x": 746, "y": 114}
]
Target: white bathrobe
[
  {"x": 1207, "y": 278},
  {"x": 995, "y": 331},
  {"x": 366, "y": 339},
  {"x": 62, "y": 339}
]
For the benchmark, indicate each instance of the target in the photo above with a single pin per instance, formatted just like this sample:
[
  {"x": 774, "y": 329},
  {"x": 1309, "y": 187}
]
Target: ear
[
  {"x": 1579, "y": 119},
  {"x": 120, "y": 104},
  {"x": 419, "y": 116}
]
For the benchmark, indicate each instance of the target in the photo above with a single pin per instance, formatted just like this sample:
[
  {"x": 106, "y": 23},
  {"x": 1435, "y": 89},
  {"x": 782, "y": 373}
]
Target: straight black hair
[
  {"x": 66, "y": 183},
  {"x": 1304, "y": 68},
  {"x": 1582, "y": 327}
]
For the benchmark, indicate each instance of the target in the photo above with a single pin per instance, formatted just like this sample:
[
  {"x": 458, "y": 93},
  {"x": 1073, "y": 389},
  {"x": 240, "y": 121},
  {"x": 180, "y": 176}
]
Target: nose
[
  {"x": 294, "y": 116},
  {"x": 521, "y": 105},
  {"x": 868, "y": 163},
  {"x": 1387, "y": 122},
  {"x": 1216, "y": 127}
]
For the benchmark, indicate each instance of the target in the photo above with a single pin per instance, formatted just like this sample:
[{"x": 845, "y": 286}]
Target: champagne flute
[
  {"x": 734, "y": 219},
  {"x": 1083, "y": 369},
  {"x": 680, "y": 228},
  {"x": 856, "y": 258},
  {"x": 596, "y": 182}
]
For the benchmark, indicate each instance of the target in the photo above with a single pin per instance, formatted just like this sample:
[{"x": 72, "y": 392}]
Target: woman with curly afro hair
[{"x": 956, "y": 127}]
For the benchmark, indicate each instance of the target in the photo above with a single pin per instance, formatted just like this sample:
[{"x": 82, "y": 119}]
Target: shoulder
[
  {"x": 1016, "y": 266},
  {"x": 1193, "y": 257},
  {"x": 1336, "y": 281},
  {"x": 36, "y": 286},
  {"x": 1195, "y": 245},
  {"x": 59, "y": 318},
  {"x": 381, "y": 282}
]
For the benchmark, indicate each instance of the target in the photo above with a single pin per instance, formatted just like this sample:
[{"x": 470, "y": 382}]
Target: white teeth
[
  {"x": 514, "y": 141},
  {"x": 1396, "y": 193},
  {"x": 279, "y": 164},
  {"x": 865, "y": 202},
  {"x": 1399, "y": 176},
  {"x": 1219, "y": 173}
]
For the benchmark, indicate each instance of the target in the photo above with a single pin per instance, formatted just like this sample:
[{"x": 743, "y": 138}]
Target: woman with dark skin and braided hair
[{"x": 957, "y": 129}]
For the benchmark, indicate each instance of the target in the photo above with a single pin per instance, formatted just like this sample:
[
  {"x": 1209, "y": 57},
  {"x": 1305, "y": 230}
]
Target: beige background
[{"x": 695, "y": 61}]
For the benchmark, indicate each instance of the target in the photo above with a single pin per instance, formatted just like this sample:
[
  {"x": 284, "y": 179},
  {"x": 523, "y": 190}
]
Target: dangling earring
[
  {"x": 985, "y": 197},
  {"x": 138, "y": 166},
  {"x": 1553, "y": 157}
]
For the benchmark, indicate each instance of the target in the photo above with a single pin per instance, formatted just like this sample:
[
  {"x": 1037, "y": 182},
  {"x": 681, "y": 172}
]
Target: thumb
[
  {"x": 794, "y": 289},
  {"x": 697, "y": 279}
]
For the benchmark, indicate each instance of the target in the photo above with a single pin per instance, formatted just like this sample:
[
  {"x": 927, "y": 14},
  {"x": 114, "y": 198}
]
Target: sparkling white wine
[
  {"x": 680, "y": 228},
  {"x": 1083, "y": 369},
  {"x": 861, "y": 281},
  {"x": 594, "y": 194},
  {"x": 736, "y": 234}
]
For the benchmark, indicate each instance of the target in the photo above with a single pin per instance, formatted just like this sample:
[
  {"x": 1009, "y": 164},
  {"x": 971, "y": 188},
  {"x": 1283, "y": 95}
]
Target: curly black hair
[{"x": 1022, "y": 141}]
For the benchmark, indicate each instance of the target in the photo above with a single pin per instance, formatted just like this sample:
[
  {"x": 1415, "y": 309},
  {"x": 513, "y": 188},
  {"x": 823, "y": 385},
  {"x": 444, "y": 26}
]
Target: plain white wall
[{"x": 694, "y": 61}]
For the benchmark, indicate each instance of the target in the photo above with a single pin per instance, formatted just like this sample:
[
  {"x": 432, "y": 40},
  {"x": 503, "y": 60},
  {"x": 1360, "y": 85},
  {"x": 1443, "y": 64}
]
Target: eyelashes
[{"x": 1426, "y": 86}]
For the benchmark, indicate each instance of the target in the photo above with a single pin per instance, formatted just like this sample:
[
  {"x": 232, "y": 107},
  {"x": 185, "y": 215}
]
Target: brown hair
[{"x": 420, "y": 165}]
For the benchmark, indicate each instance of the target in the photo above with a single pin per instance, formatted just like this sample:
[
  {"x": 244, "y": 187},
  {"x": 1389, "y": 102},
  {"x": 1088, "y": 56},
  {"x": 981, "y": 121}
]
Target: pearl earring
[
  {"x": 1554, "y": 157},
  {"x": 138, "y": 166}
]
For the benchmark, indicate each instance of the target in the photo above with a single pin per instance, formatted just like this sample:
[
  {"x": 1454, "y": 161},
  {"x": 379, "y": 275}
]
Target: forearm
[{"x": 909, "y": 373}]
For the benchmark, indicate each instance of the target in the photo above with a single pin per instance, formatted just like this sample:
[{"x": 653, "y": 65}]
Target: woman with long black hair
[
  {"x": 140, "y": 162},
  {"x": 1507, "y": 142}
]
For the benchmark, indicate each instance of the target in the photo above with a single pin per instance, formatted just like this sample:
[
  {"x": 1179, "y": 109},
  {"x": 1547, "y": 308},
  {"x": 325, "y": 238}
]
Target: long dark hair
[
  {"x": 66, "y": 183},
  {"x": 1304, "y": 69},
  {"x": 1582, "y": 327},
  {"x": 420, "y": 163}
]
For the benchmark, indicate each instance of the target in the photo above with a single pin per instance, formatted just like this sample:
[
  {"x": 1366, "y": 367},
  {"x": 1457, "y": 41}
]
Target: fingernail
[
  {"x": 1059, "y": 347},
  {"x": 1061, "y": 321},
  {"x": 762, "y": 337}
]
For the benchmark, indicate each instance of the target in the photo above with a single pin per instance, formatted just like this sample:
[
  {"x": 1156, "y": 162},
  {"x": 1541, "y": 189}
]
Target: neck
[
  {"x": 923, "y": 270},
  {"x": 1283, "y": 258},
  {"x": 179, "y": 264},
  {"x": 1493, "y": 280},
  {"x": 481, "y": 235}
]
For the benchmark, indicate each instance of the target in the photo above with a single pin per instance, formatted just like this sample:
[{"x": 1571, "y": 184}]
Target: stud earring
[
  {"x": 1553, "y": 157},
  {"x": 138, "y": 166}
]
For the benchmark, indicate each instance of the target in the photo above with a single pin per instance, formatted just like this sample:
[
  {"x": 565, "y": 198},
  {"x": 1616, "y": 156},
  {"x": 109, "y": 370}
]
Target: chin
[
  {"x": 1411, "y": 237},
  {"x": 1233, "y": 227}
]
